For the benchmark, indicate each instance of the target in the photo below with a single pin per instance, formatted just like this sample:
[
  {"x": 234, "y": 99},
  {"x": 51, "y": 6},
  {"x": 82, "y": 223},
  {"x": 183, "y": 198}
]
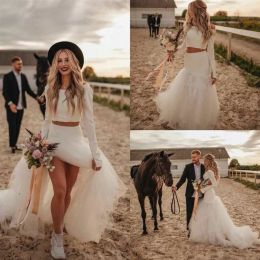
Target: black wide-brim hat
[{"x": 66, "y": 45}]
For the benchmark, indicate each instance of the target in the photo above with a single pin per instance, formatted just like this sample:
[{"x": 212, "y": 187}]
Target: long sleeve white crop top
[
  {"x": 86, "y": 118},
  {"x": 209, "y": 175},
  {"x": 194, "y": 38}
]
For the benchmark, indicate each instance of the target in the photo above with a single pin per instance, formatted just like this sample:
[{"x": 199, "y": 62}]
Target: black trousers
[
  {"x": 157, "y": 28},
  {"x": 150, "y": 29},
  {"x": 43, "y": 109},
  {"x": 153, "y": 31},
  {"x": 189, "y": 209},
  {"x": 14, "y": 123}
]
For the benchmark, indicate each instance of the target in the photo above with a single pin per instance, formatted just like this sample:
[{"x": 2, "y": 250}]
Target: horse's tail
[{"x": 133, "y": 171}]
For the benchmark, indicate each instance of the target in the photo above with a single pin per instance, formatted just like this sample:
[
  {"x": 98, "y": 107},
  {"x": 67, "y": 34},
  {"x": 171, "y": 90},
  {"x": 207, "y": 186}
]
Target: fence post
[
  {"x": 246, "y": 176},
  {"x": 255, "y": 178},
  {"x": 109, "y": 93},
  {"x": 240, "y": 175},
  {"x": 122, "y": 99},
  {"x": 229, "y": 46}
]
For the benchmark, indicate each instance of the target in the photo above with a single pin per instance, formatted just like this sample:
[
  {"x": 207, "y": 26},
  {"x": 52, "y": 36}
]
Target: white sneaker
[{"x": 57, "y": 249}]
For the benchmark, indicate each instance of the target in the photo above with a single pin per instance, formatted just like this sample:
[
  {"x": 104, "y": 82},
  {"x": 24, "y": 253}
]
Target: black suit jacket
[
  {"x": 149, "y": 19},
  {"x": 189, "y": 174},
  {"x": 11, "y": 89}
]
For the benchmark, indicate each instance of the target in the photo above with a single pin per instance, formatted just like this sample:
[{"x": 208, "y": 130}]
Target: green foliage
[
  {"x": 113, "y": 80},
  {"x": 221, "y": 13},
  {"x": 246, "y": 23},
  {"x": 249, "y": 184},
  {"x": 234, "y": 163},
  {"x": 247, "y": 65},
  {"x": 112, "y": 104},
  {"x": 254, "y": 167},
  {"x": 88, "y": 72}
]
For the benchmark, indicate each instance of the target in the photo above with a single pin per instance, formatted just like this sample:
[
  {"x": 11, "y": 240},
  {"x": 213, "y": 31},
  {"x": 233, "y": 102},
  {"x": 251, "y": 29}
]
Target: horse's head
[
  {"x": 163, "y": 167},
  {"x": 42, "y": 70}
]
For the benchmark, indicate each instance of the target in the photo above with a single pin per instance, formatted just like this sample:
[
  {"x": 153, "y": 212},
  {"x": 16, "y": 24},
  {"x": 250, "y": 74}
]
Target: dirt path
[
  {"x": 171, "y": 241},
  {"x": 115, "y": 145},
  {"x": 247, "y": 49},
  {"x": 238, "y": 102}
]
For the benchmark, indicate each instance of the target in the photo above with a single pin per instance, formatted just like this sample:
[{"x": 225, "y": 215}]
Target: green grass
[
  {"x": 112, "y": 104},
  {"x": 113, "y": 80},
  {"x": 248, "y": 184},
  {"x": 253, "y": 70}
]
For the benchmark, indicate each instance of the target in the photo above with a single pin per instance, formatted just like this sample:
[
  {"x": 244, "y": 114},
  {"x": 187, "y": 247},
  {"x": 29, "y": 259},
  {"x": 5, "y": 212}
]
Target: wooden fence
[
  {"x": 109, "y": 87},
  {"x": 252, "y": 176},
  {"x": 230, "y": 31}
]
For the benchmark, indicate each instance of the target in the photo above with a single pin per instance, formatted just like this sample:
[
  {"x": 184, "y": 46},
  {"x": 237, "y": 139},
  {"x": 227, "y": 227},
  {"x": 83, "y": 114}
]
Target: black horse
[
  {"x": 42, "y": 70},
  {"x": 149, "y": 176}
]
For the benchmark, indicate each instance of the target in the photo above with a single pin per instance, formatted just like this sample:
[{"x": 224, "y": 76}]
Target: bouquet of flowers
[
  {"x": 38, "y": 152},
  {"x": 199, "y": 184},
  {"x": 170, "y": 41}
]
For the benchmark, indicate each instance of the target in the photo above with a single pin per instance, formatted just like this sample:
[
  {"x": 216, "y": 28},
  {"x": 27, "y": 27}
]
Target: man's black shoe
[{"x": 18, "y": 149}]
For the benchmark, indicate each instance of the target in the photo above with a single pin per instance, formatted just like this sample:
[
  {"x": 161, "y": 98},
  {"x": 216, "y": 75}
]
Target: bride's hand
[
  {"x": 213, "y": 80},
  {"x": 94, "y": 166}
]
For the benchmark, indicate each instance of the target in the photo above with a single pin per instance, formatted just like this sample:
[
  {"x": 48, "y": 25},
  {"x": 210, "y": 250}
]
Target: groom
[
  {"x": 15, "y": 85},
  {"x": 192, "y": 171}
]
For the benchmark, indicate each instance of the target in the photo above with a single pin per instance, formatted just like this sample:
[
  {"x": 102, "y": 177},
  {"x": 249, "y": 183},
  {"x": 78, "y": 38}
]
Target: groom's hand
[{"x": 174, "y": 188}]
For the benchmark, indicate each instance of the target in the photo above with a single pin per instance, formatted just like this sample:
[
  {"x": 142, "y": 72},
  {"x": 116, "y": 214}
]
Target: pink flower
[{"x": 37, "y": 154}]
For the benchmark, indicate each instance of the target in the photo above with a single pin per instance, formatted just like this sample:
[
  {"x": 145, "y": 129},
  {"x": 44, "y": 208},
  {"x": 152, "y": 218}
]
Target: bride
[
  {"x": 210, "y": 222},
  {"x": 79, "y": 194},
  {"x": 191, "y": 101}
]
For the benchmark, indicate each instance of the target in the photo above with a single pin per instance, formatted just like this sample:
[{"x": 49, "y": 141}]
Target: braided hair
[{"x": 212, "y": 165}]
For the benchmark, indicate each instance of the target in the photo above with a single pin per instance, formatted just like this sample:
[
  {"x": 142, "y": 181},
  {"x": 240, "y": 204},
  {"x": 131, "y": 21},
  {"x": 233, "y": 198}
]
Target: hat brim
[{"x": 66, "y": 45}]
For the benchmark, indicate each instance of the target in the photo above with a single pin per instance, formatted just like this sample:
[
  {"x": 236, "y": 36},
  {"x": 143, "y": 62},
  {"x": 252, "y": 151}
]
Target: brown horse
[{"x": 149, "y": 176}]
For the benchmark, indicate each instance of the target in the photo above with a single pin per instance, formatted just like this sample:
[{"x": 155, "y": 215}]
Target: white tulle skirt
[
  {"x": 190, "y": 101},
  {"x": 93, "y": 196},
  {"x": 212, "y": 224}
]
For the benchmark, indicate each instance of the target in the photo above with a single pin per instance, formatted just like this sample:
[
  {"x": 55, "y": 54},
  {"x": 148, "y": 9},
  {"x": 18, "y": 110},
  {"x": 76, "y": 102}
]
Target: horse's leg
[
  {"x": 151, "y": 203},
  {"x": 160, "y": 203},
  {"x": 143, "y": 214},
  {"x": 155, "y": 211}
]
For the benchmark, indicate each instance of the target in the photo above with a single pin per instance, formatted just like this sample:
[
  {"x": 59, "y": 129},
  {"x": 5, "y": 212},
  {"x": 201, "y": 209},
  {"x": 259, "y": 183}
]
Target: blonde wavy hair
[
  {"x": 212, "y": 165},
  {"x": 75, "y": 88},
  {"x": 197, "y": 15}
]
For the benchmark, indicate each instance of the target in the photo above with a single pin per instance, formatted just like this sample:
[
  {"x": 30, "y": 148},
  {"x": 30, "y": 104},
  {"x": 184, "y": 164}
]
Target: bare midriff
[
  {"x": 193, "y": 50},
  {"x": 65, "y": 123}
]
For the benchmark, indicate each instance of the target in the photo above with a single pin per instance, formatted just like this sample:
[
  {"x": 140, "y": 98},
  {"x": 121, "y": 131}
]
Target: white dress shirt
[
  {"x": 197, "y": 169},
  {"x": 19, "y": 82}
]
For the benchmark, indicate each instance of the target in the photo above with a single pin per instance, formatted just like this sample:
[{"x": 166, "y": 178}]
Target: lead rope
[{"x": 175, "y": 201}]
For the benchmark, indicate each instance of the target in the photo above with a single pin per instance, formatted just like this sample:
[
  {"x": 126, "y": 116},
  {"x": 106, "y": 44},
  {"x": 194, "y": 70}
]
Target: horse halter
[{"x": 159, "y": 179}]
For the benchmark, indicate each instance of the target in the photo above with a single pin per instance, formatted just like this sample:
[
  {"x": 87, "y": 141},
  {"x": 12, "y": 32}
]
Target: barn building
[
  {"x": 182, "y": 156},
  {"x": 140, "y": 9}
]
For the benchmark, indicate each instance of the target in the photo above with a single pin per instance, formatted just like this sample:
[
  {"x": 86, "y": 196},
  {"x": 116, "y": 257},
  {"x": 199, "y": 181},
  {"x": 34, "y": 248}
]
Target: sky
[
  {"x": 99, "y": 27},
  {"x": 245, "y": 8},
  {"x": 241, "y": 145}
]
